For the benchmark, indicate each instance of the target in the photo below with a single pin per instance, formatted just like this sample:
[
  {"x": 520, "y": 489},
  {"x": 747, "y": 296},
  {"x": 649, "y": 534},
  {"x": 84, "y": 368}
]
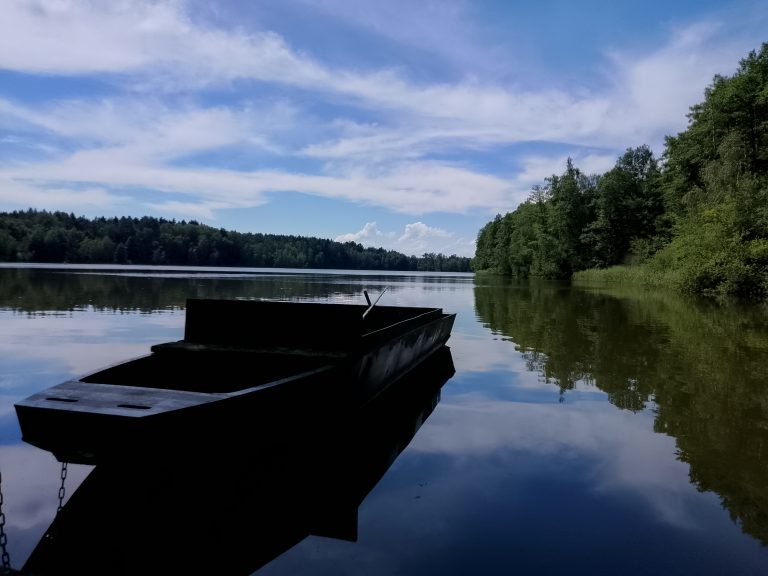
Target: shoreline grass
[{"x": 625, "y": 275}]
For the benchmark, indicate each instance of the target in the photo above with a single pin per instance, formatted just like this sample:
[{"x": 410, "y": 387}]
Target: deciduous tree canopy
[{"x": 699, "y": 217}]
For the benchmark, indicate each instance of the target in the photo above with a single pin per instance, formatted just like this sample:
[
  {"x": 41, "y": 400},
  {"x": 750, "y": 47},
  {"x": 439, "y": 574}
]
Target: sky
[{"x": 393, "y": 123}]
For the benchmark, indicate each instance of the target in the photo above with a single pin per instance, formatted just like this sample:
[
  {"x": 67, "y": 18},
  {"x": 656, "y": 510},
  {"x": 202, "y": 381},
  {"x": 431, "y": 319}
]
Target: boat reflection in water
[{"x": 231, "y": 506}]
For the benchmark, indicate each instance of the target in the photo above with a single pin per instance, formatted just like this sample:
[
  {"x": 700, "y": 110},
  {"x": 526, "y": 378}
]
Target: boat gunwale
[
  {"x": 38, "y": 401},
  {"x": 329, "y": 380}
]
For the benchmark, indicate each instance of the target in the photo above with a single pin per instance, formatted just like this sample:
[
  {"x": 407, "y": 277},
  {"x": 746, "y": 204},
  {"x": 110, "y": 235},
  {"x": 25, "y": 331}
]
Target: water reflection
[
  {"x": 65, "y": 289},
  {"x": 516, "y": 471},
  {"x": 234, "y": 506},
  {"x": 700, "y": 368}
]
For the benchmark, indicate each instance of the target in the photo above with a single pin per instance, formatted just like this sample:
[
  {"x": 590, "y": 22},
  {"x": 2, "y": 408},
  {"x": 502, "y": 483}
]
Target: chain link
[
  {"x": 5, "y": 559},
  {"x": 62, "y": 489}
]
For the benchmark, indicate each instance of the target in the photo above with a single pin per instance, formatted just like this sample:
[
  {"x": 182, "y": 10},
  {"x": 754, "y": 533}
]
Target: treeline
[
  {"x": 695, "y": 219},
  {"x": 41, "y": 236}
]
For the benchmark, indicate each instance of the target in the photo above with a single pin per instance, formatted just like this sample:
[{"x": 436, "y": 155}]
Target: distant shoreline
[
  {"x": 222, "y": 269},
  {"x": 39, "y": 236}
]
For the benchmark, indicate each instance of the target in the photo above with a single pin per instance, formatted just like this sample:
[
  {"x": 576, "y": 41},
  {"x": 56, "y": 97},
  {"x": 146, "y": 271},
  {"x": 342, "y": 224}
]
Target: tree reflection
[
  {"x": 68, "y": 289},
  {"x": 699, "y": 366}
]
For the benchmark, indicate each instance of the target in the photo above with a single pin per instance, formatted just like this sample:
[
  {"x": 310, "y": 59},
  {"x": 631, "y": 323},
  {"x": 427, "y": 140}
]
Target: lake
[{"x": 578, "y": 432}]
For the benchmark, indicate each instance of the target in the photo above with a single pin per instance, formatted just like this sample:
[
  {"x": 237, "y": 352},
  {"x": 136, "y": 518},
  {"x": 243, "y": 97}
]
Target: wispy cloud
[
  {"x": 149, "y": 129},
  {"x": 141, "y": 37},
  {"x": 174, "y": 108},
  {"x": 32, "y": 194},
  {"x": 160, "y": 41},
  {"x": 408, "y": 188},
  {"x": 435, "y": 28},
  {"x": 652, "y": 92}
]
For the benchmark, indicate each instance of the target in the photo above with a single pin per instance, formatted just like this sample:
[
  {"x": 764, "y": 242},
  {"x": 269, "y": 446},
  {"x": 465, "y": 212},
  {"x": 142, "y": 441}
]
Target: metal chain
[
  {"x": 4, "y": 556},
  {"x": 62, "y": 490}
]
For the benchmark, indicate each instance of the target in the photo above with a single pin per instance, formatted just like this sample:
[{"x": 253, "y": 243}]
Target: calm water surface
[{"x": 581, "y": 433}]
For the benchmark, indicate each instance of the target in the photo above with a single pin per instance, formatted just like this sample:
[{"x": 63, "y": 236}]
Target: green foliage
[
  {"x": 698, "y": 223},
  {"x": 40, "y": 236},
  {"x": 575, "y": 221},
  {"x": 628, "y": 210},
  {"x": 710, "y": 259},
  {"x": 624, "y": 275},
  {"x": 716, "y": 185},
  {"x": 571, "y": 196}
]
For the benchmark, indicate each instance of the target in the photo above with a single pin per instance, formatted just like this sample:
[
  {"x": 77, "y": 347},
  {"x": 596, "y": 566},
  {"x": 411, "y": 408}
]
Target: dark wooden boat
[
  {"x": 240, "y": 363},
  {"x": 235, "y": 508}
]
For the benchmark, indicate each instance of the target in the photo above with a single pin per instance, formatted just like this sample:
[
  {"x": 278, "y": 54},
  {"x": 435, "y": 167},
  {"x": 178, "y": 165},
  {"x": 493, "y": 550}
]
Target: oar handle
[{"x": 368, "y": 299}]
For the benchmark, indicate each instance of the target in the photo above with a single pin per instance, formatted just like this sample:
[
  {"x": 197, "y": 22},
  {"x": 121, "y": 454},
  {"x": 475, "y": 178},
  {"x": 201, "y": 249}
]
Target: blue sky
[{"x": 393, "y": 123}]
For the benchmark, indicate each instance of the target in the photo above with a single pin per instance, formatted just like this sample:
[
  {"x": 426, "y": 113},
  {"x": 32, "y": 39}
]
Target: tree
[
  {"x": 628, "y": 205},
  {"x": 716, "y": 186},
  {"x": 571, "y": 198}
]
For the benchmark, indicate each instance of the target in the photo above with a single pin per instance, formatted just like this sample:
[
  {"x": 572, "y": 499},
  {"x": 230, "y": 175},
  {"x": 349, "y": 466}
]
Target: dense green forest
[
  {"x": 695, "y": 219},
  {"x": 41, "y": 236}
]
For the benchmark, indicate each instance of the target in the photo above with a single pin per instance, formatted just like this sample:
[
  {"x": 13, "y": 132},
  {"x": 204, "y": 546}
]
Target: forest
[
  {"x": 695, "y": 219},
  {"x": 58, "y": 237}
]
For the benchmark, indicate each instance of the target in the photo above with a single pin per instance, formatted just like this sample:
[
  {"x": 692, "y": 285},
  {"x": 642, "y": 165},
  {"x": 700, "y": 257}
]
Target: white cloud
[
  {"x": 78, "y": 37},
  {"x": 130, "y": 146},
  {"x": 368, "y": 232},
  {"x": 195, "y": 210},
  {"x": 653, "y": 92},
  {"x": 22, "y": 195},
  {"x": 647, "y": 98},
  {"x": 419, "y": 238},
  {"x": 115, "y": 145},
  {"x": 592, "y": 163},
  {"x": 160, "y": 41},
  {"x": 537, "y": 168},
  {"x": 415, "y": 239},
  {"x": 72, "y": 37},
  {"x": 411, "y": 188},
  {"x": 148, "y": 129},
  {"x": 420, "y": 231}
]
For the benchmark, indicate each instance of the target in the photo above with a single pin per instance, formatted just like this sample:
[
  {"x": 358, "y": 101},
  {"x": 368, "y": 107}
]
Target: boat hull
[
  {"x": 210, "y": 392},
  {"x": 258, "y": 498}
]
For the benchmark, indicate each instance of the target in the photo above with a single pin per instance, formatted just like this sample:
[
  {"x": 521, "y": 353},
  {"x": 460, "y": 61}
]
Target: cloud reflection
[
  {"x": 76, "y": 342},
  {"x": 31, "y": 479},
  {"x": 626, "y": 455}
]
